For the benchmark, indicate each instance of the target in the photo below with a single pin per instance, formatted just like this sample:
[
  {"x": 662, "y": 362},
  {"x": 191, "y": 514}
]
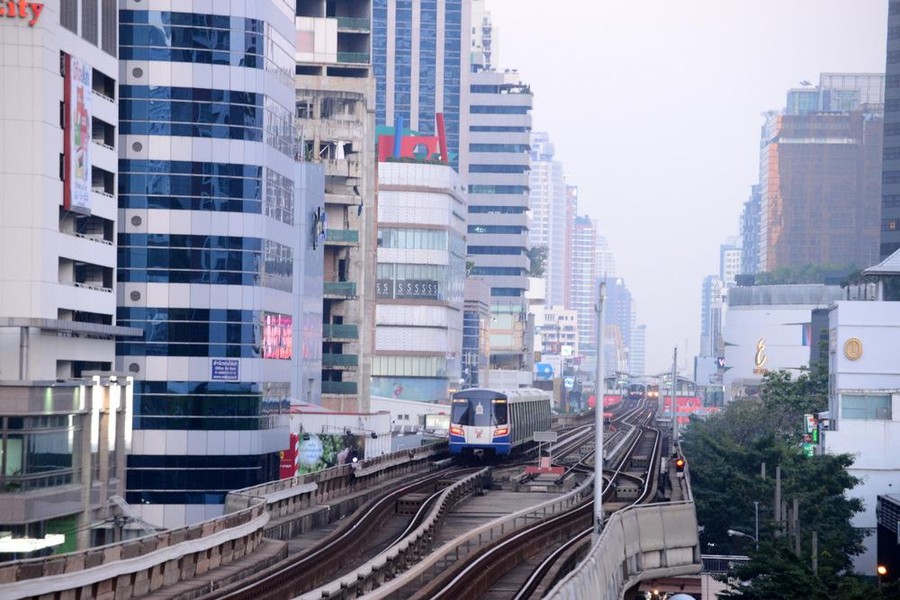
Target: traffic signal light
[{"x": 679, "y": 465}]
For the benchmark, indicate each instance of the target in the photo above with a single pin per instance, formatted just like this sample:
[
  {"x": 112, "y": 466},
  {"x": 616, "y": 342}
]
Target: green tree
[
  {"x": 726, "y": 452},
  {"x": 776, "y": 574},
  {"x": 538, "y": 257}
]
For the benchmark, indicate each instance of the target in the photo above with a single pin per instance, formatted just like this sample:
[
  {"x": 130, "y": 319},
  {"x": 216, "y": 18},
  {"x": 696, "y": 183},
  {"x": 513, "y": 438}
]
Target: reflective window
[
  {"x": 185, "y": 185},
  {"x": 187, "y": 37},
  {"x": 869, "y": 407},
  {"x": 191, "y": 112},
  {"x": 499, "y": 168}
]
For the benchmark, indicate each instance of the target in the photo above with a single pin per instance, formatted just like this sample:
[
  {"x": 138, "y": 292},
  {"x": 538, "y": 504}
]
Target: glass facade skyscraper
[
  {"x": 208, "y": 239},
  {"x": 415, "y": 78}
]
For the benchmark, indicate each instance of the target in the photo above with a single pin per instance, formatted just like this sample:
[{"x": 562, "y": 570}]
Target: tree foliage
[
  {"x": 726, "y": 453},
  {"x": 828, "y": 274},
  {"x": 538, "y": 257}
]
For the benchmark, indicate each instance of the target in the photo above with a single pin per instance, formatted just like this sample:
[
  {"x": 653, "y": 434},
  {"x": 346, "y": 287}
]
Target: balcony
[
  {"x": 340, "y": 361},
  {"x": 340, "y": 332},
  {"x": 353, "y": 24},
  {"x": 342, "y": 237},
  {"x": 339, "y": 289},
  {"x": 339, "y": 387},
  {"x": 356, "y": 58}
]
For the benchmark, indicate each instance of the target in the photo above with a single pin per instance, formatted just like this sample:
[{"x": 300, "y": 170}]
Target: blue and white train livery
[{"x": 495, "y": 422}]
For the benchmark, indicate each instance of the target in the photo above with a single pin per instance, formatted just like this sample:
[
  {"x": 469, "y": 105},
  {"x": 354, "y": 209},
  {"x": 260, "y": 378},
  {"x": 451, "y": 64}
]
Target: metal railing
[
  {"x": 342, "y": 289},
  {"x": 339, "y": 387},
  {"x": 357, "y": 23},
  {"x": 340, "y": 360},
  {"x": 339, "y": 331},
  {"x": 342, "y": 235},
  {"x": 353, "y": 57}
]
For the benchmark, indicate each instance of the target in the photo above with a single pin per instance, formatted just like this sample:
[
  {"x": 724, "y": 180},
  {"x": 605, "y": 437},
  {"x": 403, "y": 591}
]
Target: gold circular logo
[{"x": 853, "y": 349}]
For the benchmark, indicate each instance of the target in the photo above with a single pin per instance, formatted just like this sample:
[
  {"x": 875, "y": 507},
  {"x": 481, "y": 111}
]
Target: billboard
[
  {"x": 77, "y": 136},
  {"x": 321, "y": 451},
  {"x": 277, "y": 336}
]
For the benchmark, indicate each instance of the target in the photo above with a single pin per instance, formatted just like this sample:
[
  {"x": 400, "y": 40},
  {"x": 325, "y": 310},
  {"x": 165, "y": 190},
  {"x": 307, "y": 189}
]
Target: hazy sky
[{"x": 655, "y": 107}]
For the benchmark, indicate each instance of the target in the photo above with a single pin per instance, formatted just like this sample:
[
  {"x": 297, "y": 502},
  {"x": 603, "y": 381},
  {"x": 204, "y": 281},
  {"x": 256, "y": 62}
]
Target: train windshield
[{"x": 479, "y": 409}]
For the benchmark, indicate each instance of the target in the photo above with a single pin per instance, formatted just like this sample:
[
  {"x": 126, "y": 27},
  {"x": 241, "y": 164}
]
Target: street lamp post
[
  {"x": 736, "y": 533},
  {"x": 598, "y": 418},
  {"x": 881, "y": 571}
]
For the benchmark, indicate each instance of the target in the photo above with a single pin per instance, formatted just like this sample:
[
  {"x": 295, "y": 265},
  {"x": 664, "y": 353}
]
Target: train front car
[{"x": 479, "y": 423}]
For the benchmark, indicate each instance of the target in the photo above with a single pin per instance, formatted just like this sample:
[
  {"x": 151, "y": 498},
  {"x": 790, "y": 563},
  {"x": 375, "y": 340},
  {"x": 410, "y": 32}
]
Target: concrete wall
[{"x": 639, "y": 543}]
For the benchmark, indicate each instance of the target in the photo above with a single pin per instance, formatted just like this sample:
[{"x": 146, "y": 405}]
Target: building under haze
[
  {"x": 547, "y": 201},
  {"x": 820, "y": 175},
  {"x": 712, "y": 306},
  {"x": 750, "y": 232},
  {"x": 638, "y": 356},
  {"x": 619, "y": 318},
  {"x": 583, "y": 284}
]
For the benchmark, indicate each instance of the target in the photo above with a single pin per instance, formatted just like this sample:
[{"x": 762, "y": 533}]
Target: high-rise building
[
  {"x": 571, "y": 212},
  {"x": 890, "y": 176},
  {"x": 420, "y": 57},
  {"x": 584, "y": 280},
  {"x": 483, "y": 53},
  {"x": 606, "y": 260},
  {"x": 209, "y": 246},
  {"x": 750, "y": 218},
  {"x": 712, "y": 303},
  {"x": 547, "y": 201},
  {"x": 64, "y": 412},
  {"x": 335, "y": 127},
  {"x": 497, "y": 165},
  {"x": 420, "y": 282},
  {"x": 820, "y": 175},
  {"x": 730, "y": 255},
  {"x": 618, "y": 316},
  {"x": 638, "y": 356}
]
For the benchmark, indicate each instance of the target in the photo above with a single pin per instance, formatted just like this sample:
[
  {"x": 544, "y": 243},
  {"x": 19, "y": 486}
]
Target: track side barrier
[
  {"x": 137, "y": 567},
  {"x": 636, "y": 544}
]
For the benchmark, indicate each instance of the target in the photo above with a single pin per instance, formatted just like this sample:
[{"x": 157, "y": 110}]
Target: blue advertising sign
[
  {"x": 543, "y": 371},
  {"x": 225, "y": 369}
]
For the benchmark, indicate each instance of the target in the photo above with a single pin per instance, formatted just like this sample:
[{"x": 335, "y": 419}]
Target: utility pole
[
  {"x": 674, "y": 383},
  {"x": 815, "y": 552},
  {"x": 756, "y": 517},
  {"x": 598, "y": 419}
]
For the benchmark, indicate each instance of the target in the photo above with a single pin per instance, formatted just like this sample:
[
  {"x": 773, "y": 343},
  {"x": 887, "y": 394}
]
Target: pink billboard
[
  {"x": 77, "y": 136},
  {"x": 277, "y": 336}
]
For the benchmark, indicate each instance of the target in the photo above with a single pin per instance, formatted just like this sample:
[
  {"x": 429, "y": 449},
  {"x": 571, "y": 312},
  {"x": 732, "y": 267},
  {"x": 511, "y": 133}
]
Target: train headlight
[
  {"x": 501, "y": 431},
  {"x": 456, "y": 430}
]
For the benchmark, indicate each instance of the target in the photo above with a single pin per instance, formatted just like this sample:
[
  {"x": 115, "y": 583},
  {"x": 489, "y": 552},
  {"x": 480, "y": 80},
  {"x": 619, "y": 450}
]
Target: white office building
[
  {"x": 58, "y": 164},
  {"x": 547, "y": 202},
  {"x": 863, "y": 416},
  {"x": 769, "y": 328},
  {"x": 420, "y": 282}
]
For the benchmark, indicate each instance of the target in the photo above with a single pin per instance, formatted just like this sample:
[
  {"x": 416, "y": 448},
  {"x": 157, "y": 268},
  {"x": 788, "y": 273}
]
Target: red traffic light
[{"x": 679, "y": 464}]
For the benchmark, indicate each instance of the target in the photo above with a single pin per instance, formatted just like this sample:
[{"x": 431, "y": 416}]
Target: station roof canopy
[{"x": 889, "y": 266}]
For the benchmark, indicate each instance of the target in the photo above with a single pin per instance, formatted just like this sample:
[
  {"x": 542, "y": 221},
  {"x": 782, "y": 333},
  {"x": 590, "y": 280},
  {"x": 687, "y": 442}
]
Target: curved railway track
[
  {"x": 568, "y": 531},
  {"x": 343, "y": 551},
  {"x": 338, "y": 552}
]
